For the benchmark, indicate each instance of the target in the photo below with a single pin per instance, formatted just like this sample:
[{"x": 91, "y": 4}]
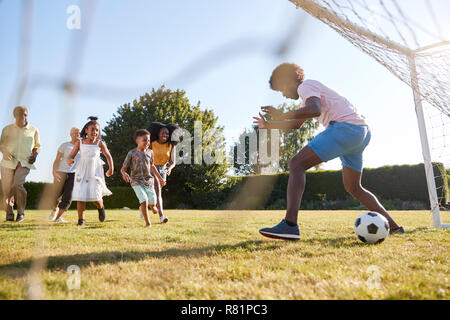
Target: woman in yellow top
[{"x": 164, "y": 155}]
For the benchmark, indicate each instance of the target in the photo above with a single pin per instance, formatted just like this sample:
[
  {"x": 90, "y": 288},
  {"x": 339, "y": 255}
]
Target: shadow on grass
[
  {"x": 15, "y": 226},
  {"x": 54, "y": 263},
  {"x": 32, "y": 226},
  {"x": 419, "y": 229},
  {"x": 341, "y": 242}
]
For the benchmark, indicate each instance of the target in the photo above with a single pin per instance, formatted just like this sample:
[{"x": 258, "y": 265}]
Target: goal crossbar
[
  {"x": 323, "y": 14},
  {"x": 432, "y": 46}
]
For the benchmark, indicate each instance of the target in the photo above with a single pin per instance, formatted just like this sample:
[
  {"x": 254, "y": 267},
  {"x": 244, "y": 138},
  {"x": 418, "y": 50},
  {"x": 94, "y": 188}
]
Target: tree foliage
[
  {"x": 168, "y": 106},
  {"x": 291, "y": 141}
]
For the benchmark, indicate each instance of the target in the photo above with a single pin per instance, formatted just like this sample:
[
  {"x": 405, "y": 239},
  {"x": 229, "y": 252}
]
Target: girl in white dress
[{"x": 89, "y": 184}]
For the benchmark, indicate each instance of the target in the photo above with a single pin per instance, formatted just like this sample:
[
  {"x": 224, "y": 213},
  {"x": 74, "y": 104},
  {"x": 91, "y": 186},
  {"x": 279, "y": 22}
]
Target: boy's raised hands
[
  {"x": 260, "y": 122},
  {"x": 276, "y": 114}
]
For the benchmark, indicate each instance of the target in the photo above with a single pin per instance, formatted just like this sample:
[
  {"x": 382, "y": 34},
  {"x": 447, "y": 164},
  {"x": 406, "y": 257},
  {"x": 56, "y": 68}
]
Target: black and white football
[{"x": 371, "y": 227}]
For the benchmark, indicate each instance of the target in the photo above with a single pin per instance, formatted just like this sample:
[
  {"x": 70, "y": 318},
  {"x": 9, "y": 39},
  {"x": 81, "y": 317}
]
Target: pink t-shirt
[{"x": 334, "y": 107}]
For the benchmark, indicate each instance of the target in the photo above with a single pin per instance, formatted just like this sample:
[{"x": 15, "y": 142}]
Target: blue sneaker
[{"x": 282, "y": 231}]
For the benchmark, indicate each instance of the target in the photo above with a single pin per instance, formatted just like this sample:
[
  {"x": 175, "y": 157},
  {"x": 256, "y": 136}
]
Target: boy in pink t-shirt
[{"x": 346, "y": 136}]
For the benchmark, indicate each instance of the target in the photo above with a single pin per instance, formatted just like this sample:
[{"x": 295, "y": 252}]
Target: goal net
[{"x": 410, "y": 39}]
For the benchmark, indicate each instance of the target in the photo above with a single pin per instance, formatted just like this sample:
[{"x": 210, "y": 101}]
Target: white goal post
[
  {"x": 431, "y": 184},
  {"x": 400, "y": 59}
]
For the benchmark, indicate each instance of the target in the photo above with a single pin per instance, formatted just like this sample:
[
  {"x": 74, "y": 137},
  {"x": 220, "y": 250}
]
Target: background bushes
[{"x": 399, "y": 187}]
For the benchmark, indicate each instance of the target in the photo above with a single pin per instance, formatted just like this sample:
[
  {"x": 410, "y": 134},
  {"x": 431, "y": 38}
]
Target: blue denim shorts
[
  {"x": 344, "y": 140},
  {"x": 162, "y": 171}
]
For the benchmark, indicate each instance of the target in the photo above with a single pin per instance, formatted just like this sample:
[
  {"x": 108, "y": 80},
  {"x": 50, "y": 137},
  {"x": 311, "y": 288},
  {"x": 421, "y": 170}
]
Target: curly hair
[
  {"x": 285, "y": 73},
  {"x": 156, "y": 127}
]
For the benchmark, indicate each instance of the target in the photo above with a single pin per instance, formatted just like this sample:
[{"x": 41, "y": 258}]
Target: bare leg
[
  {"x": 144, "y": 208},
  {"x": 56, "y": 210},
  {"x": 60, "y": 213},
  {"x": 81, "y": 207},
  {"x": 298, "y": 165},
  {"x": 98, "y": 204},
  {"x": 352, "y": 183},
  {"x": 58, "y": 189},
  {"x": 159, "y": 203},
  {"x": 154, "y": 209}
]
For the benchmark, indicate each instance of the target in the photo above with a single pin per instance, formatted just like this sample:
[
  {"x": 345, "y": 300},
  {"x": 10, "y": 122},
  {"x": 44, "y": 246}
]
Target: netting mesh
[
  {"x": 383, "y": 30},
  {"x": 438, "y": 126},
  {"x": 409, "y": 39}
]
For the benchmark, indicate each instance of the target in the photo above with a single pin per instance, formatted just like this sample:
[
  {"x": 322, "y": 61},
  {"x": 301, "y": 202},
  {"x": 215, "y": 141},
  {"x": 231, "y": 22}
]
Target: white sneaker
[
  {"x": 163, "y": 219},
  {"x": 60, "y": 220},
  {"x": 53, "y": 215}
]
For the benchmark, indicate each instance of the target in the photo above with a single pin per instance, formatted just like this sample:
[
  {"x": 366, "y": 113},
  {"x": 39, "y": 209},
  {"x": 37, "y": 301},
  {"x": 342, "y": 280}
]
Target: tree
[
  {"x": 189, "y": 183},
  {"x": 291, "y": 141},
  {"x": 248, "y": 146}
]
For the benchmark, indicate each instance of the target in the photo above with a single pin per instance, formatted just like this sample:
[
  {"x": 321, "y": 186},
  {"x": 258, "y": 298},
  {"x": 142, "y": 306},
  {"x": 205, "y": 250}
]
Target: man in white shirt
[
  {"x": 20, "y": 145},
  {"x": 346, "y": 136}
]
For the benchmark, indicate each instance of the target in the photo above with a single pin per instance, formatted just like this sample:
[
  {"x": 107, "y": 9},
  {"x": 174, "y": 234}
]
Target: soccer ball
[{"x": 371, "y": 227}]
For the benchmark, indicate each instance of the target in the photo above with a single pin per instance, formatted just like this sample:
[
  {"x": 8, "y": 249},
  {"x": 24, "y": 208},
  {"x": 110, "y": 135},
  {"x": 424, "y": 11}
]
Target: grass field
[{"x": 220, "y": 255}]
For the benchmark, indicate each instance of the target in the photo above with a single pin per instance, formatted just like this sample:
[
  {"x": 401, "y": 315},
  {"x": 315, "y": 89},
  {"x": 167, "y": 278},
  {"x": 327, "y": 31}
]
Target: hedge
[
  {"x": 405, "y": 183},
  {"x": 395, "y": 185}
]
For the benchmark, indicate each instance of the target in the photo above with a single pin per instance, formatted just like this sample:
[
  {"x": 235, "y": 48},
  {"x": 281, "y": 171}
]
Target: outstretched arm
[
  {"x": 36, "y": 148},
  {"x": 262, "y": 123},
  {"x": 6, "y": 154},
  {"x": 125, "y": 176},
  {"x": 56, "y": 163},
  {"x": 76, "y": 148},
  {"x": 109, "y": 158},
  {"x": 172, "y": 161},
  {"x": 311, "y": 109},
  {"x": 126, "y": 163}
]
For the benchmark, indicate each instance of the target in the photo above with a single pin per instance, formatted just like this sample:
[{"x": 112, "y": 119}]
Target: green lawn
[{"x": 220, "y": 255}]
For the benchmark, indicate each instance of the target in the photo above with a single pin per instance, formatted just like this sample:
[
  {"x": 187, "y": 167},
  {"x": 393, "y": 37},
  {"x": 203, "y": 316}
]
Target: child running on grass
[
  {"x": 140, "y": 160},
  {"x": 89, "y": 184}
]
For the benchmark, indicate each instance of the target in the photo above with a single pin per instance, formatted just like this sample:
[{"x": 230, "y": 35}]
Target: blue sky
[{"x": 136, "y": 45}]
